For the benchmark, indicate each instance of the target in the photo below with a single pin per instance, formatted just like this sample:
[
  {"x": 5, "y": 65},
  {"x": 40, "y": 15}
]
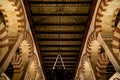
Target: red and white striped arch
[
  {"x": 104, "y": 23},
  {"x": 17, "y": 63},
  {"x": 14, "y": 16},
  {"x": 101, "y": 66},
  {"x": 3, "y": 40},
  {"x": 92, "y": 37},
  {"x": 116, "y": 41},
  {"x": 105, "y": 17}
]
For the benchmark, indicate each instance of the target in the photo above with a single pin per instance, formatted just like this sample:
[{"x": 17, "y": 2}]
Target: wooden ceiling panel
[
  {"x": 61, "y": 48},
  {"x": 61, "y": 42},
  {"x": 60, "y": 19},
  {"x": 64, "y": 58},
  {"x": 64, "y": 54},
  {"x": 62, "y": 36},
  {"x": 60, "y": 27},
  {"x": 56, "y": 9}
]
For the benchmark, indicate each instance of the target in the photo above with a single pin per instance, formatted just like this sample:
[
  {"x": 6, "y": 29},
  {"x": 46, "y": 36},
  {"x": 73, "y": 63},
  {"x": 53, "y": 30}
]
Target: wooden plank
[
  {"x": 62, "y": 36},
  {"x": 60, "y": 2}
]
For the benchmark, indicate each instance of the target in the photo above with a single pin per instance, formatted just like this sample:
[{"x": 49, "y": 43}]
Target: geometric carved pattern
[
  {"x": 3, "y": 40},
  {"x": 102, "y": 65},
  {"x": 101, "y": 21},
  {"x": 17, "y": 63},
  {"x": 92, "y": 37},
  {"x": 28, "y": 43},
  {"x": 116, "y": 41}
]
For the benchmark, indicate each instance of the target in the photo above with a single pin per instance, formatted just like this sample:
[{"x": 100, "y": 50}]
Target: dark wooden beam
[
  {"x": 64, "y": 59},
  {"x": 60, "y": 14},
  {"x": 59, "y": 24},
  {"x": 59, "y": 2},
  {"x": 60, "y": 45},
  {"x": 59, "y": 63},
  {"x": 60, "y": 50},
  {"x": 60, "y": 32},
  {"x": 49, "y": 53},
  {"x": 61, "y": 39},
  {"x": 75, "y": 55},
  {"x": 66, "y": 66}
]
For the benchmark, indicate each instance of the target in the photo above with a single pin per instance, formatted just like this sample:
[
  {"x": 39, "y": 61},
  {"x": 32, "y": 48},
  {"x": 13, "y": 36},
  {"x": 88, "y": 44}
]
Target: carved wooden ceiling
[{"x": 60, "y": 26}]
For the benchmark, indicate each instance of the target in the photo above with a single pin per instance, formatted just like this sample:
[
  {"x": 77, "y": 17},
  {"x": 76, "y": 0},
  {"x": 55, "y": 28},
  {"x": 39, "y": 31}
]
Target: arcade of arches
[{"x": 85, "y": 32}]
